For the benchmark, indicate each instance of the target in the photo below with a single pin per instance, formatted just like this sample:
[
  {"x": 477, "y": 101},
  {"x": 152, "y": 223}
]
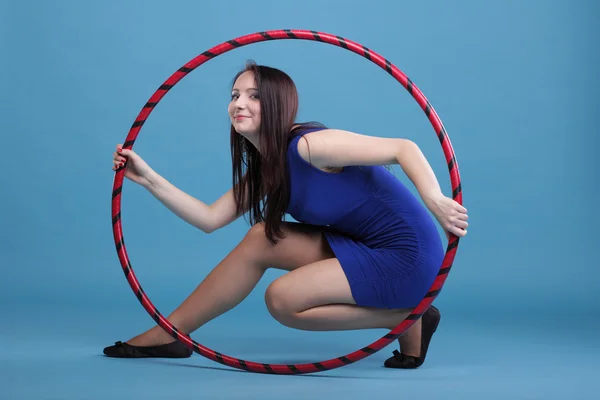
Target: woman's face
[{"x": 244, "y": 108}]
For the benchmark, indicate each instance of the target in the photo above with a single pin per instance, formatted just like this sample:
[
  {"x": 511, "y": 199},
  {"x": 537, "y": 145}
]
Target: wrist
[
  {"x": 152, "y": 180},
  {"x": 431, "y": 196}
]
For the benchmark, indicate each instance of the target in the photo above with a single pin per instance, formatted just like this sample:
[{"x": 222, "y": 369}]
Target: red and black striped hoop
[{"x": 277, "y": 368}]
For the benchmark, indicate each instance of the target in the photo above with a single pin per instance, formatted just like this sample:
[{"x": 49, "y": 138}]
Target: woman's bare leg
[
  {"x": 317, "y": 297},
  {"x": 237, "y": 274}
]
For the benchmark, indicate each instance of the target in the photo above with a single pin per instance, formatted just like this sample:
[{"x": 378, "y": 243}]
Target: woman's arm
[
  {"x": 338, "y": 148},
  {"x": 207, "y": 218}
]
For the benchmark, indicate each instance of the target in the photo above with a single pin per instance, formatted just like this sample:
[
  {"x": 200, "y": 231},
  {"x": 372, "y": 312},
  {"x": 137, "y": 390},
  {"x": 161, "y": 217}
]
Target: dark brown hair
[{"x": 261, "y": 177}]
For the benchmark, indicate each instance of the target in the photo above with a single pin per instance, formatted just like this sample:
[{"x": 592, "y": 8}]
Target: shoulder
[
  {"x": 313, "y": 138},
  {"x": 339, "y": 148},
  {"x": 299, "y": 133},
  {"x": 308, "y": 145}
]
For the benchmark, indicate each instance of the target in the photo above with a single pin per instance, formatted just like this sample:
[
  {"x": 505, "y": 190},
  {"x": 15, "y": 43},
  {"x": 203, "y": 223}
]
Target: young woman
[{"x": 364, "y": 252}]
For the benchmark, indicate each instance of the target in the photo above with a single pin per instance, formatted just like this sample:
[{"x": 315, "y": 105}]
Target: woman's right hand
[{"x": 137, "y": 169}]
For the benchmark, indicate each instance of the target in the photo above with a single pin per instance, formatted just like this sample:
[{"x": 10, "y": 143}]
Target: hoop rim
[{"x": 282, "y": 369}]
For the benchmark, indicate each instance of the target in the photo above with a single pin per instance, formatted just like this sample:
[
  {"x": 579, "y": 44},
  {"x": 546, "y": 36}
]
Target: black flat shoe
[
  {"x": 169, "y": 350},
  {"x": 430, "y": 321}
]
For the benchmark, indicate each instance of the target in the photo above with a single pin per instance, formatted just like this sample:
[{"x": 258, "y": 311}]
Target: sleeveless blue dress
[{"x": 385, "y": 240}]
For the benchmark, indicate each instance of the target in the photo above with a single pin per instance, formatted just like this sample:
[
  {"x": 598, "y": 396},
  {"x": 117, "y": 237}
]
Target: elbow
[
  {"x": 204, "y": 226},
  {"x": 406, "y": 146}
]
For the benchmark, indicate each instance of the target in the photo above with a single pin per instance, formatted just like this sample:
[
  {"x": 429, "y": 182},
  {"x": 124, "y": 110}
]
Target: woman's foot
[
  {"x": 169, "y": 350},
  {"x": 155, "y": 343},
  {"x": 410, "y": 341},
  {"x": 412, "y": 356}
]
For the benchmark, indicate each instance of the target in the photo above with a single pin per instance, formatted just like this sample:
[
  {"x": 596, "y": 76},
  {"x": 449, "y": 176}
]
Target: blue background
[{"x": 515, "y": 83}]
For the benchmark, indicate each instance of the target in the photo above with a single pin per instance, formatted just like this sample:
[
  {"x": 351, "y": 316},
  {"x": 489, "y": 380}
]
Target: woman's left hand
[{"x": 451, "y": 215}]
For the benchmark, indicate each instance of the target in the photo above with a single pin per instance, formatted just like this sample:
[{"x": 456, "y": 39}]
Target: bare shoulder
[
  {"x": 311, "y": 145},
  {"x": 334, "y": 148}
]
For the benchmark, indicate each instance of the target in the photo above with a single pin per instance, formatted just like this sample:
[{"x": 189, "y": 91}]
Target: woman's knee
[
  {"x": 256, "y": 231},
  {"x": 301, "y": 245},
  {"x": 279, "y": 304},
  {"x": 257, "y": 242},
  {"x": 257, "y": 234}
]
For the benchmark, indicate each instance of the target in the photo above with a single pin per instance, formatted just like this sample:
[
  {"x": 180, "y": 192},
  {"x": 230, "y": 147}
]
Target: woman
[{"x": 364, "y": 251}]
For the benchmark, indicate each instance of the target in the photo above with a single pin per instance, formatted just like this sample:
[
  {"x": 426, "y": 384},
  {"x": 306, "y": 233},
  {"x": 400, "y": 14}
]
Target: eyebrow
[{"x": 237, "y": 90}]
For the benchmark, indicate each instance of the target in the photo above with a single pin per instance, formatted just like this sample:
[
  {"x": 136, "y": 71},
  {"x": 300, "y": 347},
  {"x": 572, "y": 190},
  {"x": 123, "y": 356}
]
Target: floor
[{"x": 56, "y": 353}]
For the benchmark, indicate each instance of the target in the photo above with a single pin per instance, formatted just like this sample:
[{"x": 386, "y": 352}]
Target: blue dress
[{"x": 385, "y": 240}]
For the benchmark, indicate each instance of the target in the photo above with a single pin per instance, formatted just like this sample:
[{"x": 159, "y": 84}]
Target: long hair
[{"x": 260, "y": 179}]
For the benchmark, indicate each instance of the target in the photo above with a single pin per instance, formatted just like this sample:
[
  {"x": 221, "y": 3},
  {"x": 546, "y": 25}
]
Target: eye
[{"x": 234, "y": 96}]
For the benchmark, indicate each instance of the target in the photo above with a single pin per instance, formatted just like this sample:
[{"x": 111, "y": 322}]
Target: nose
[{"x": 240, "y": 102}]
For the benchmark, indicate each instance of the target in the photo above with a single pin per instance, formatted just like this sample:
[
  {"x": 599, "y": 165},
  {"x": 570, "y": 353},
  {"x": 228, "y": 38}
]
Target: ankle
[
  {"x": 153, "y": 337},
  {"x": 410, "y": 349},
  {"x": 410, "y": 353}
]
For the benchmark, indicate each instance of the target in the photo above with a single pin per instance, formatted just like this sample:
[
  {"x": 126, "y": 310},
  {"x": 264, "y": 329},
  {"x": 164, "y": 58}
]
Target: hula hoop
[{"x": 281, "y": 368}]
